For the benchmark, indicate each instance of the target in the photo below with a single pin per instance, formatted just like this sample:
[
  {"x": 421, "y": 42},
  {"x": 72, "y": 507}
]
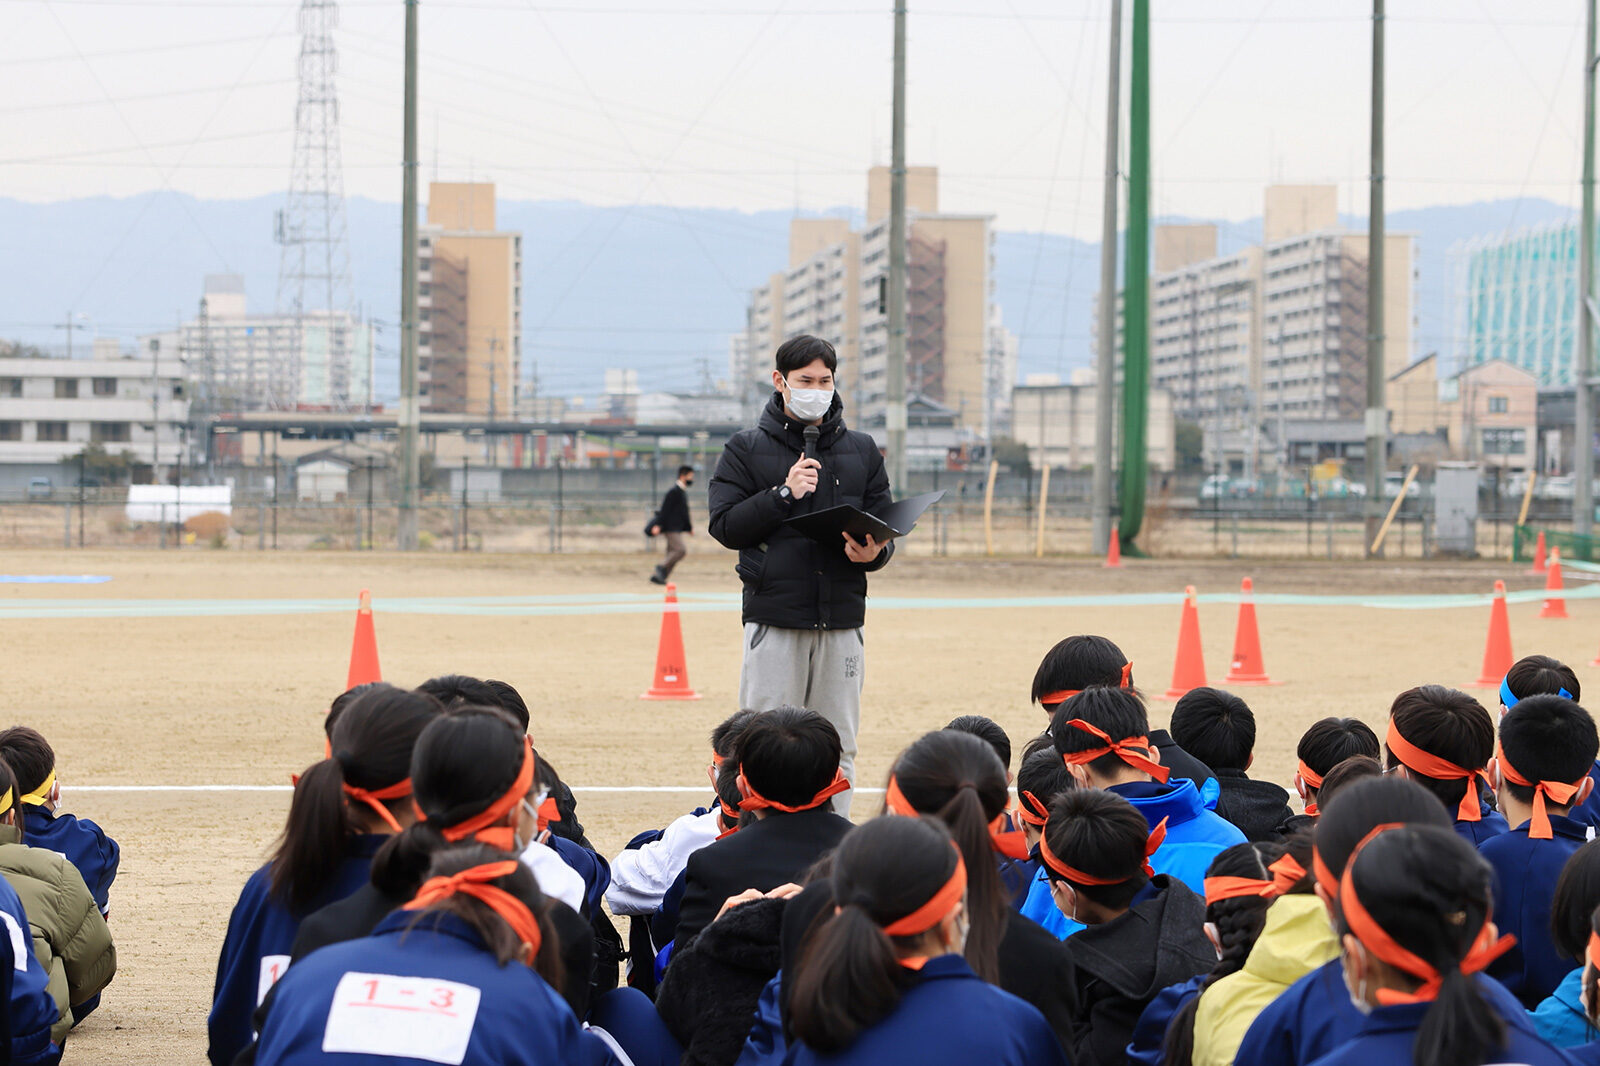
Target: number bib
[
  {"x": 272, "y": 967},
  {"x": 406, "y": 1017}
]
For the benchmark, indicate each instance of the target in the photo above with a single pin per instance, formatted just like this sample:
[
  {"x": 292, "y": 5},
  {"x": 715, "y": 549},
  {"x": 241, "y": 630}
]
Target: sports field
[{"x": 199, "y": 669}]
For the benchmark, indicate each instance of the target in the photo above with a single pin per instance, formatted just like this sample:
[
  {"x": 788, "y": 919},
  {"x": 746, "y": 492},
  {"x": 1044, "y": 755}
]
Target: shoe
[{"x": 657, "y": 579}]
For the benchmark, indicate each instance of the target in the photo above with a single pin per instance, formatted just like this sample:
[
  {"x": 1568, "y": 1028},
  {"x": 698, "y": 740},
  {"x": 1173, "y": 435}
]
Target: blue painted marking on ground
[
  {"x": 629, "y": 603},
  {"x": 54, "y": 579}
]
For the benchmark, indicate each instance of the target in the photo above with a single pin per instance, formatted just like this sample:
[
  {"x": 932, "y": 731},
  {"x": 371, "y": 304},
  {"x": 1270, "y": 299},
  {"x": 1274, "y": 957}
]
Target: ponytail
[
  {"x": 1460, "y": 1028},
  {"x": 849, "y": 979},
  {"x": 315, "y": 838},
  {"x": 402, "y": 863},
  {"x": 987, "y": 910}
]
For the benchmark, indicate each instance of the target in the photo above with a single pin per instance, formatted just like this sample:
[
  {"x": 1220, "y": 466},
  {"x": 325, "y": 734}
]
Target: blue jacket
[
  {"x": 1525, "y": 883},
  {"x": 1315, "y": 1015},
  {"x": 85, "y": 845},
  {"x": 1387, "y": 1034},
  {"x": 1490, "y": 824},
  {"x": 256, "y": 950},
  {"x": 949, "y": 1017},
  {"x": 31, "y": 1010},
  {"x": 594, "y": 870},
  {"x": 766, "y": 1045},
  {"x": 1040, "y": 906},
  {"x": 1150, "y": 1035},
  {"x": 350, "y": 1004},
  {"x": 1588, "y": 812},
  {"x": 1560, "y": 1019}
]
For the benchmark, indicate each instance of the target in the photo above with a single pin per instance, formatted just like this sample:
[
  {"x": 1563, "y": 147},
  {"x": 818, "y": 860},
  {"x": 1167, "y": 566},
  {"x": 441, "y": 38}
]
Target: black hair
[
  {"x": 729, "y": 796},
  {"x": 958, "y": 779},
  {"x": 340, "y": 702},
  {"x": 1103, "y": 835},
  {"x": 1077, "y": 663},
  {"x": 1576, "y": 897},
  {"x": 1544, "y": 738},
  {"x": 503, "y": 944},
  {"x": 1590, "y": 974},
  {"x": 1330, "y": 742},
  {"x": 1449, "y": 724},
  {"x": 1045, "y": 776},
  {"x": 1120, "y": 714},
  {"x": 1429, "y": 890},
  {"x": 802, "y": 351},
  {"x": 849, "y": 977},
  {"x": 459, "y": 690},
  {"x": 8, "y": 782},
  {"x": 986, "y": 730},
  {"x": 1239, "y": 922},
  {"x": 1043, "y": 742},
  {"x": 463, "y": 762},
  {"x": 1215, "y": 727},
  {"x": 685, "y": 469},
  {"x": 788, "y": 755},
  {"x": 30, "y": 757},
  {"x": 725, "y": 737},
  {"x": 1361, "y": 807},
  {"x": 372, "y": 745},
  {"x": 1540, "y": 675},
  {"x": 1343, "y": 774},
  {"x": 510, "y": 700}
]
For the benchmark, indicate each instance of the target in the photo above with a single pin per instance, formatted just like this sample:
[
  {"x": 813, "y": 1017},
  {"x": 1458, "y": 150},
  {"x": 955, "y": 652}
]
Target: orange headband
[
  {"x": 1067, "y": 693},
  {"x": 1135, "y": 751},
  {"x": 1310, "y": 776},
  {"x": 1414, "y": 758},
  {"x": 937, "y": 908},
  {"x": 502, "y": 837},
  {"x": 1558, "y": 791},
  {"x": 1286, "y": 873},
  {"x": 475, "y": 883},
  {"x": 1028, "y": 808},
  {"x": 1012, "y": 843},
  {"x": 1592, "y": 952},
  {"x": 372, "y": 799},
  {"x": 1072, "y": 873},
  {"x": 755, "y": 801},
  {"x": 1220, "y": 888},
  {"x": 1485, "y": 949},
  {"x": 1324, "y": 876}
]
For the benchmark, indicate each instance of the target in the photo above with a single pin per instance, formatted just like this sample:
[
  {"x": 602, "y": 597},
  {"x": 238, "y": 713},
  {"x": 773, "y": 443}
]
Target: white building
[{"x": 51, "y": 409}]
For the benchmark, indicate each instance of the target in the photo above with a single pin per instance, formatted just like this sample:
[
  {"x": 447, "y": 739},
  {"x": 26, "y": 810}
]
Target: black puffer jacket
[
  {"x": 708, "y": 997},
  {"x": 791, "y": 581}
]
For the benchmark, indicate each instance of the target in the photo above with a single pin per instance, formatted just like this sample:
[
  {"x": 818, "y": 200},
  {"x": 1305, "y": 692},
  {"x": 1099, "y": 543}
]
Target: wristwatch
[{"x": 783, "y": 493}]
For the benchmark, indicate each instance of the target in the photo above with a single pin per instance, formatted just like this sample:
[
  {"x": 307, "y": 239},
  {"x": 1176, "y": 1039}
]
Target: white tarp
[{"x": 177, "y": 503}]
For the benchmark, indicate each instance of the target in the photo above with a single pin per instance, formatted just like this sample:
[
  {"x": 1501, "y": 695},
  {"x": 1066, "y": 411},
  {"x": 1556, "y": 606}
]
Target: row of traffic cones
[{"x": 1245, "y": 668}]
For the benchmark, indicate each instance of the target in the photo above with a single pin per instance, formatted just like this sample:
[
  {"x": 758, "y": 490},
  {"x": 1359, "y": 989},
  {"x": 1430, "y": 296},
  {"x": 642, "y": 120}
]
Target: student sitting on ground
[
  {"x": 1102, "y": 733},
  {"x": 1540, "y": 675},
  {"x": 1325, "y": 745},
  {"x": 70, "y": 939},
  {"x": 1562, "y": 1019},
  {"x": 1084, "y": 661},
  {"x": 27, "y": 1010},
  {"x": 788, "y": 763},
  {"x": 1144, "y": 929},
  {"x": 1218, "y": 729},
  {"x": 1547, "y": 745},
  {"x": 45, "y": 825},
  {"x": 1443, "y": 739}
]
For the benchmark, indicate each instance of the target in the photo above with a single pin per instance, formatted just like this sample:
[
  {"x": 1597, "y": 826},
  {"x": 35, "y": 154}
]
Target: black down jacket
[{"x": 791, "y": 581}]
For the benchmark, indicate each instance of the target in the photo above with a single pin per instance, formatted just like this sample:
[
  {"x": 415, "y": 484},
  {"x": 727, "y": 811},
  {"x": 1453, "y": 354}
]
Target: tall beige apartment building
[
  {"x": 469, "y": 299},
  {"x": 836, "y": 287}
]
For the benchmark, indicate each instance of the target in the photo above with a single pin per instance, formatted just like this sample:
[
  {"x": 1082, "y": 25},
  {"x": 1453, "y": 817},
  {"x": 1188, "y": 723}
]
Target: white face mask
[
  {"x": 1358, "y": 994},
  {"x": 809, "y": 405},
  {"x": 963, "y": 927}
]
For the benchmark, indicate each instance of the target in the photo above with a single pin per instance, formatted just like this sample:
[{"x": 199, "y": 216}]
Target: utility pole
[
  {"x": 409, "y": 403},
  {"x": 1377, "y": 414},
  {"x": 1583, "y": 393},
  {"x": 1136, "y": 284},
  {"x": 894, "y": 415},
  {"x": 1105, "y": 397}
]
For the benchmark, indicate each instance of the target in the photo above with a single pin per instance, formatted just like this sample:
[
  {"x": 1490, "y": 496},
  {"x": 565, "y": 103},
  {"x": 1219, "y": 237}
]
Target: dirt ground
[{"x": 238, "y": 700}]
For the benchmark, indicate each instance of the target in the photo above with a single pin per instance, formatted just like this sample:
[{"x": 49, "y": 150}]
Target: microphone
[{"x": 811, "y": 435}]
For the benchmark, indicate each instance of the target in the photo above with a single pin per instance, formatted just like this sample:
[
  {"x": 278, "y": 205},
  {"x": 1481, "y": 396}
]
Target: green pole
[{"x": 1136, "y": 285}]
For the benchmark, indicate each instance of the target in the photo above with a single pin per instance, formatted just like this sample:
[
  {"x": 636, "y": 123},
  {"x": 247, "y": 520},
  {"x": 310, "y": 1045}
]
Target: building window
[
  {"x": 1497, "y": 405},
  {"x": 66, "y": 389},
  {"x": 10, "y": 430},
  {"x": 105, "y": 386},
  {"x": 1505, "y": 441},
  {"x": 52, "y": 431},
  {"x": 111, "y": 432},
  {"x": 11, "y": 387}
]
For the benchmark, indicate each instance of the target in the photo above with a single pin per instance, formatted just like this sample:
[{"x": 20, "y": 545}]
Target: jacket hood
[
  {"x": 1295, "y": 940},
  {"x": 776, "y": 421},
  {"x": 1180, "y": 803},
  {"x": 10, "y": 834},
  {"x": 1157, "y": 942}
]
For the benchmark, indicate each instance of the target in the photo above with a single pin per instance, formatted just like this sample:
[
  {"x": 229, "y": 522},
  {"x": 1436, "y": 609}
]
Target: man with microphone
[{"x": 804, "y": 601}]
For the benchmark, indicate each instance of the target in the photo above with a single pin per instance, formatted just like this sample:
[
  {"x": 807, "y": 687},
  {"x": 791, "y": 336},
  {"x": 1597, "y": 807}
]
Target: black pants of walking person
[{"x": 677, "y": 548}]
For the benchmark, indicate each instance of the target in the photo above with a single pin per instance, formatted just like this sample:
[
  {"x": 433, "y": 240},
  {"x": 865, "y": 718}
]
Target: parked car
[
  {"x": 39, "y": 488},
  {"x": 1214, "y": 488},
  {"x": 1392, "y": 483}
]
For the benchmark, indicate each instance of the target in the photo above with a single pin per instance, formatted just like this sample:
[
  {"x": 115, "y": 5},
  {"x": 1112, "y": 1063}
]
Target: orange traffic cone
[
  {"x": 1555, "y": 604},
  {"x": 1247, "y": 667},
  {"x": 1189, "y": 670},
  {"x": 1538, "y": 555},
  {"x": 1497, "y": 658},
  {"x": 364, "y": 648},
  {"x": 672, "y": 674},
  {"x": 1114, "y": 551}
]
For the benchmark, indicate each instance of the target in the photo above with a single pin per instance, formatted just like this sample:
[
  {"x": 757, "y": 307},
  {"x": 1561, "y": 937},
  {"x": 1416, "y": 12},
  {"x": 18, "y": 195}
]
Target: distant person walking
[
  {"x": 804, "y": 601},
  {"x": 672, "y": 519}
]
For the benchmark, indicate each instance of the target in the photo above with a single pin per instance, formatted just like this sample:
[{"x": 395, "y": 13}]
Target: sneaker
[{"x": 657, "y": 579}]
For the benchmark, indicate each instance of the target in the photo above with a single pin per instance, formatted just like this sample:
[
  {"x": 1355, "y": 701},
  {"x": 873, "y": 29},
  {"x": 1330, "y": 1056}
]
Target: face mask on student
[{"x": 809, "y": 405}]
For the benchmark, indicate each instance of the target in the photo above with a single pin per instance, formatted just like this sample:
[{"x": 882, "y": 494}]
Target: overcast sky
[{"x": 755, "y": 104}]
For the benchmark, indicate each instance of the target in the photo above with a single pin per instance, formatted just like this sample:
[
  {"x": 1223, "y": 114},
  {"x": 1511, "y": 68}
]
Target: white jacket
[
  {"x": 641, "y": 876},
  {"x": 556, "y": 879}
]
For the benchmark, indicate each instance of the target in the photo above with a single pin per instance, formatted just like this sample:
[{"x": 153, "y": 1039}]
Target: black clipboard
[{"x": 895, "y": 520}]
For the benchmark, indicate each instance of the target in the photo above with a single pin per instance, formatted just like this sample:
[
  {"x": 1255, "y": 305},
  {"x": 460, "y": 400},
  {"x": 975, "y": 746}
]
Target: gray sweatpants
[{"x": 819, "y": 669}]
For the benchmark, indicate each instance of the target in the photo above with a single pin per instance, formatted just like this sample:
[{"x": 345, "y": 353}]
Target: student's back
[
  {"x": 84, "y": 844},
  {"x": 30, "y": 1010},
  {"x": 1219, "y": 729}
]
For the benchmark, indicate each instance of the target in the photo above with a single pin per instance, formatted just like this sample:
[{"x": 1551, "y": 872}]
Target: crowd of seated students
[{"x": 1427, "y": 893}]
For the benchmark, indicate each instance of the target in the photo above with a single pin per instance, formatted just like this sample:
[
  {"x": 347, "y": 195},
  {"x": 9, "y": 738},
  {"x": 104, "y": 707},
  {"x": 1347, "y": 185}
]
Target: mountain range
[{"x": 655, "y": 288}]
